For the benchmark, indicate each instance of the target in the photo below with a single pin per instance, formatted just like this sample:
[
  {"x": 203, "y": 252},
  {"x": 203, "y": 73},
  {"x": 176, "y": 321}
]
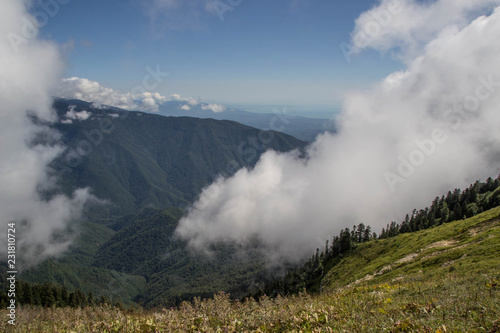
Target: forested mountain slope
[{"x": 137, "y": 160}]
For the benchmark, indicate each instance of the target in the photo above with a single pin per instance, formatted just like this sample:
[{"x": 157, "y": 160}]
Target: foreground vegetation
[
  {"x": 443, "y": 279},
  {"x": 456, "y": 303}
]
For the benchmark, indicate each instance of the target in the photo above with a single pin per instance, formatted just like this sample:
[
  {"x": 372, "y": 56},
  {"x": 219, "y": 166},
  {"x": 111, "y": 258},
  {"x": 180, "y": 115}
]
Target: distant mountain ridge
[
  {"x": 137, "y": 160},
  {"x": 303, "y": 128}
]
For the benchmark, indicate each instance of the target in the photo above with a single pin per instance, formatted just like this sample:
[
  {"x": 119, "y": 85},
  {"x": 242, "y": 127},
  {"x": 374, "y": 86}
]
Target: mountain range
[
  {"x": 146, "y": 169},
  {"x": 136, "y": 160},
  {"x": 303, "y": 128}
]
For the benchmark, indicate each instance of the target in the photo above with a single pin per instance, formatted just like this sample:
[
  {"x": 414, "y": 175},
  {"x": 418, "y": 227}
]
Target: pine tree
[
  {"x": 383, "y": 234},
  {"x": 90, "y": 300},
  {"x": 103, "y": 300},
  {"x": 405, "y": 225},
  {"x": 57, "y": 296},
  {"x": 64, "y": 296},
  {"x": 36, "y": 291},
  {"x": 73, "y": 300},
  {"x": 81, "y": 299},
  {"x": 46, "y": 295},
  {"x": 27, "y": 297},
  {"x": 367, "y": 234},
  {"x": 360, "y": 231},
  {"x": 457, "y": 212},
  {"x": 345, "y": 241}
]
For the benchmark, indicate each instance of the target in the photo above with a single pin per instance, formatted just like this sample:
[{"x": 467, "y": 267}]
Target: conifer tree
[
  {"x": 27, "y": 296},
  {"x": 46, "y": 295}
]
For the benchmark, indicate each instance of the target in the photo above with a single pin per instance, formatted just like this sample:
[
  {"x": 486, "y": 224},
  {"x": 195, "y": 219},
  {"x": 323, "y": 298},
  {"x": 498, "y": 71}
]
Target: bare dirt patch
[
  {"x": 443, "y": 243},
  {"x": 485, "y": 226},
  {"x": 406, "y": 259}
]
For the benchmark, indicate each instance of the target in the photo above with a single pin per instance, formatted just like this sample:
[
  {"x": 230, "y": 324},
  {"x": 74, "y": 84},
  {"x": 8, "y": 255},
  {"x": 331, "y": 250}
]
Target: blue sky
[{"x": 283, "y": 52}]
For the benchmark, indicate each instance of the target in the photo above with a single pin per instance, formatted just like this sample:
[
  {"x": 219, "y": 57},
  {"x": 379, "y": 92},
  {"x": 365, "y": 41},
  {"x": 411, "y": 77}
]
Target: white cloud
[
  {"x": 176, "y": 97},
  {"x": 216, "y": 108},
  {"x": 193, "y": 101},
  {"x": 73, "y": 115},
  {"x": 30, "y": 70},
  {"x": 410, "y": 24},
  {"x": 92, "y": 91},
  {"x": 441, "y": 113}
]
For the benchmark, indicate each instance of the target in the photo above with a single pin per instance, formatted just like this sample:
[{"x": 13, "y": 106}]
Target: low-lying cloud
[
  {"x": 415, "y": 135},
  {"x": 30, "y": 70},
  {"x": 215, "y": 108}
]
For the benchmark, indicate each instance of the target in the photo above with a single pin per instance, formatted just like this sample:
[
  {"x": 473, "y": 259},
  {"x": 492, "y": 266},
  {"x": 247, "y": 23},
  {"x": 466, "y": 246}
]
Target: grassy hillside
[
  {"x": 466, "y": 247},
  {"x": 445, "y": 279}
]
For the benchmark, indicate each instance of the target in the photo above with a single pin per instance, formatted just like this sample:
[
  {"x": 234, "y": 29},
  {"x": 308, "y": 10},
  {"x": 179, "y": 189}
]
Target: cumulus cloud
[
  {"x": 410, "y": 24},
  {"x": 92, "y": 91},
  {"x": 30, "y": 69},
  {"x": 415, "y": 135},
  {"x": 192, "y": 102},
  {"x": 176, "y": 97},
  {"x": 216, "y": 108}
]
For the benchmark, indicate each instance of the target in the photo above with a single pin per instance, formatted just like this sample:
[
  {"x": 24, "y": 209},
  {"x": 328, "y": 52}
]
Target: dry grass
[{"x": 453, "y": 304}]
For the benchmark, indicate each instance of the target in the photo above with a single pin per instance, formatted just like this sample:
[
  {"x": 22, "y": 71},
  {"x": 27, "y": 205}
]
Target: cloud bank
[
  {"x": 30, "y": 69},
  {"x": 92, "y": 91},
  {"x": 410, "y": 24},
  {"x": 415, "y": 135}
]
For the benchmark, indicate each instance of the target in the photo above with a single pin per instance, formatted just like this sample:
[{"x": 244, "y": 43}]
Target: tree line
[{"x": 49, "y": 295}]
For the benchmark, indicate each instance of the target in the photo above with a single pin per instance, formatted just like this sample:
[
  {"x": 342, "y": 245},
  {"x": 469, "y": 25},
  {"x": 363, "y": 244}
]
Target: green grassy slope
[{"x": 466, "y": 247}]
